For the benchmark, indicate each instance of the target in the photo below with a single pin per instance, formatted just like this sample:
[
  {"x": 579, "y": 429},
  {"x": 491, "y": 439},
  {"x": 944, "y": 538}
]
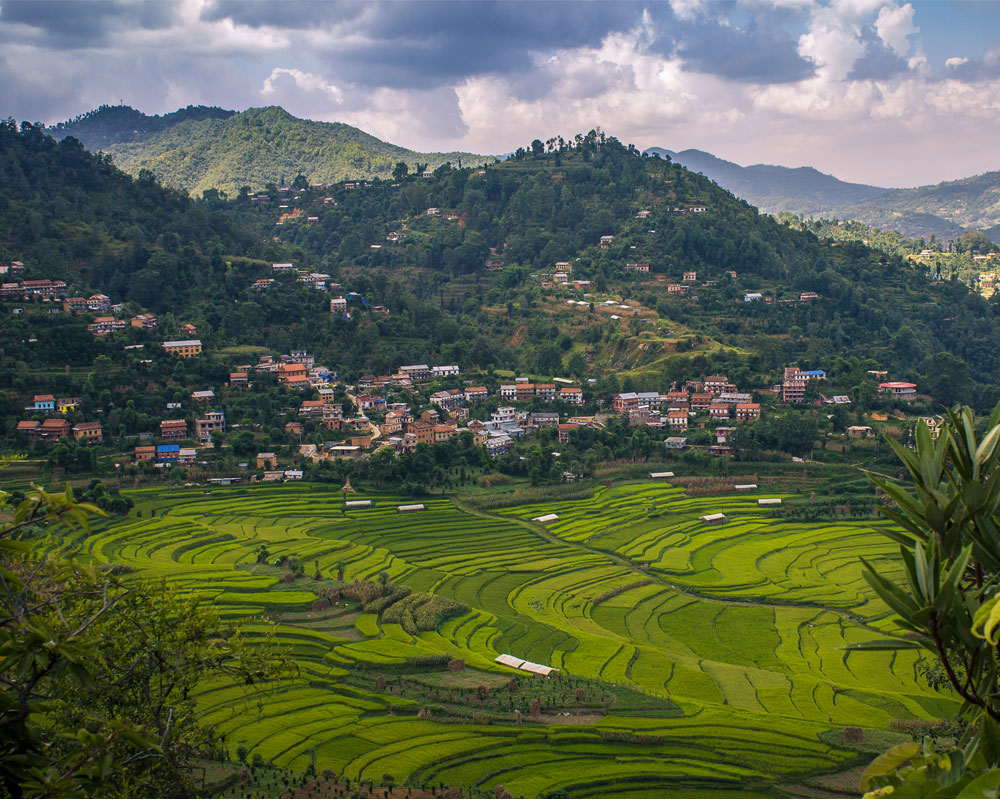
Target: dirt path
[{"x": 518, "y": 337}]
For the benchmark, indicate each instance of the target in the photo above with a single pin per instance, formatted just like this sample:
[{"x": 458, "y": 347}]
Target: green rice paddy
[{"x": 742, "y": 629}]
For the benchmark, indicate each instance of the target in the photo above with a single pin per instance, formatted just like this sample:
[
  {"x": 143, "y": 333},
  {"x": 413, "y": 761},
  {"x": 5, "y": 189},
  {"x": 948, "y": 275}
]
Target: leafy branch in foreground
[
  {"x": 97, "y": 672},
  {"x": 948, "y": 602}
]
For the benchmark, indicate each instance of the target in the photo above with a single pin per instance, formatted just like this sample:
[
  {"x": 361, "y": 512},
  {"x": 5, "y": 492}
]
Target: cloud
[
  {"x": 986, "y": 68},
  {"x": 895, "y": 25},
  {"x": 844, "y": 85},
  {"x": 81, "y": 24},
  {"x": 747, "y": 55}
]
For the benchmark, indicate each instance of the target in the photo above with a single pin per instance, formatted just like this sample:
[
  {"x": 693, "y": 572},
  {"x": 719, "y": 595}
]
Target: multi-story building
[
  {"x": 212, "y": 421},
  {"x": 185, "y": 348}
]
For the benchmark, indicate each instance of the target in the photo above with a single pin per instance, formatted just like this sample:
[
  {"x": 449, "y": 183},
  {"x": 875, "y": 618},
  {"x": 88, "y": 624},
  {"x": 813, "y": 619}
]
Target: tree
[
  {"x": 948, "y": 601},
  {"x": 96, "y": 674},
  {"x": 400, "y": 171}
]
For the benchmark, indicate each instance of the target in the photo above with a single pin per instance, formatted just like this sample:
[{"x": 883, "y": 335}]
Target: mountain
[
  {"x": 942, "y": 210},
  {"x": 773, "y": 188},
  {"x": 201, "y": 148}
]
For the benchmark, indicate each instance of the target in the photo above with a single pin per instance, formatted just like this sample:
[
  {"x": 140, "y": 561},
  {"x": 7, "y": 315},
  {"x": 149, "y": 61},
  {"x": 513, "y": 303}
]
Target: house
[
  {"x": 266, "y": 460},
  {"x": 145, "y": 452},
  {"x": 717, "y": 410},
  {"x": 805, "y": 297},
  {"x": 563, "y": 431},
  {"x": 752, "y": 297},
  {"x": 102, "y": 326},
  {"x": 203, "y": 397},
  {"x": 675, "y": 443},
  {"x": 625, "y": 402},
  {"x": 312, "y": 409},
  {"x": 292, "y": 375},
  {"x": 188, "y": 329},
  {"x": 167, "y": 453},
  {"x": 508, "y": 391},
  {"x": 98, "y": 302},
  {"x": 186, "y": 456},
  {"x": 212, "y": 421},
  {"x": 295, "y": 428},
  {"x": 701, "y": 401},
  {"x": 748, "y": 412},
  {"x": 793, "y": 388},
  {"x": 676, "y": 288},
  {"x": 173, "y": 430},
  {"x": 677, "y": 420},
  {"x": 690, "y": 276},
  {"x": 720, "y": 450},
  {"x": 29, "y": 427},
  {"x": 416, "y": 372},
  {"x": 44, "y": 402},
  {"x": 474, "y": 394},
  {"x": 88, "y": 432},
  {"x": 75, "y": 305},
  {"x": 933, "y": 425},
  {"x": 53, "y": 429},
  {"x": 262, "y": 283},
  {"x": 546, "y": 391},
  {"x": 185, "y": 348},
  {"x": 860, "y": 432},
  {"x": 606, "y": 242},
  {"x": 281, "y": 267},
  {"x": 445, "y": 372},
  {"x": 900, "y": 390},
  {"x": 637, "y": 267},
  {"x": 571, "y": 395},
  {"x": 146, "y": 321},
  {"x": 238, "y": 380},
  {"x": 66, "y": 405},
  {"x": 434, "y": 211}
]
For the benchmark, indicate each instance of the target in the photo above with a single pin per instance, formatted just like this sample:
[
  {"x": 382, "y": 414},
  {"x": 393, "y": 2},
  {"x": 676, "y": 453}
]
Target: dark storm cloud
[
  {"x": 69, "y": 23},
  {"x": 749, "y": 55},
  {"x": 428, "y": 44},
  {"x": 879, "y": 62}
]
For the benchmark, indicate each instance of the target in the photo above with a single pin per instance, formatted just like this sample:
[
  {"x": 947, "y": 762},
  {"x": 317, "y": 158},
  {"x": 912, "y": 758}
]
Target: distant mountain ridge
[
  {"x": 943, "y": 209},
  {"x": 199, "y": 147}
]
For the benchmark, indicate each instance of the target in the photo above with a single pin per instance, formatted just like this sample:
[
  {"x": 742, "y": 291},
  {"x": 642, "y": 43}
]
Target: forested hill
[
  {"x": 109, "y": 125},
  {"x": 942, "y": 210},
  {"x": 462, "y": 265},
  {"x": 199, "y": 148},
  {"x": 71, "y": 215}
]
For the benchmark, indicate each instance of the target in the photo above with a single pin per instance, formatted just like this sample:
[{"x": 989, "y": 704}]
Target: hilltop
[
  {"x": 942, "y": 210},
  {"x": 201, "y": 148}
]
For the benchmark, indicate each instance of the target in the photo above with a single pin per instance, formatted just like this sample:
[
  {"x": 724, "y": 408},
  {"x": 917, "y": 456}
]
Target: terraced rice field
[{"x": 742, "y": 626}]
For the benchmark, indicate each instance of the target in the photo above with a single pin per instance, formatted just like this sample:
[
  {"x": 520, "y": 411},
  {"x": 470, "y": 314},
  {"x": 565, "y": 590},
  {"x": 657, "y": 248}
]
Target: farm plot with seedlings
[{"x": 691, "y": 658}]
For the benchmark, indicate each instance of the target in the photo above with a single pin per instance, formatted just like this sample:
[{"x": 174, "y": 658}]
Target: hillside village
[{"x": 418, "y": 405}]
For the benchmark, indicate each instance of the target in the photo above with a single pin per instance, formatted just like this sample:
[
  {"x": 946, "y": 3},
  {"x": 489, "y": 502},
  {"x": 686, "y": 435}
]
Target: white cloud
[
  {"x": 303, "y": 81},
  {"x": 956, "y": 61},
  {"x": 894, "y": 25}
]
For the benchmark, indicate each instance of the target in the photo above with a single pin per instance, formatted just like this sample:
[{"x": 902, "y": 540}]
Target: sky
[{"x": 883, "y": 92}]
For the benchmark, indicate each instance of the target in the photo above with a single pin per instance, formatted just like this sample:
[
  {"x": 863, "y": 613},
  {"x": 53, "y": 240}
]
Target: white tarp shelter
[
  {"x": 358, "y": 504},
  {"x": 660, "y": 475},
  {"x": 769, "y": 501},
  {"x": 546, "y": 518},
  {"x": 414, "y": 507}
]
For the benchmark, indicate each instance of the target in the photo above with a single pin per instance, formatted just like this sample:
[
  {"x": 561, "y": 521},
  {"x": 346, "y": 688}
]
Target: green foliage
[
  {"x": 96, "y": 674},
  {"x": 224, "y": 150},
  {"x": 949, "y": 517}
]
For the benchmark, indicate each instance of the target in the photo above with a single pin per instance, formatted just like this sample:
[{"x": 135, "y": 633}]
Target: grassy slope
[{"x": 262, "y": 145}]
